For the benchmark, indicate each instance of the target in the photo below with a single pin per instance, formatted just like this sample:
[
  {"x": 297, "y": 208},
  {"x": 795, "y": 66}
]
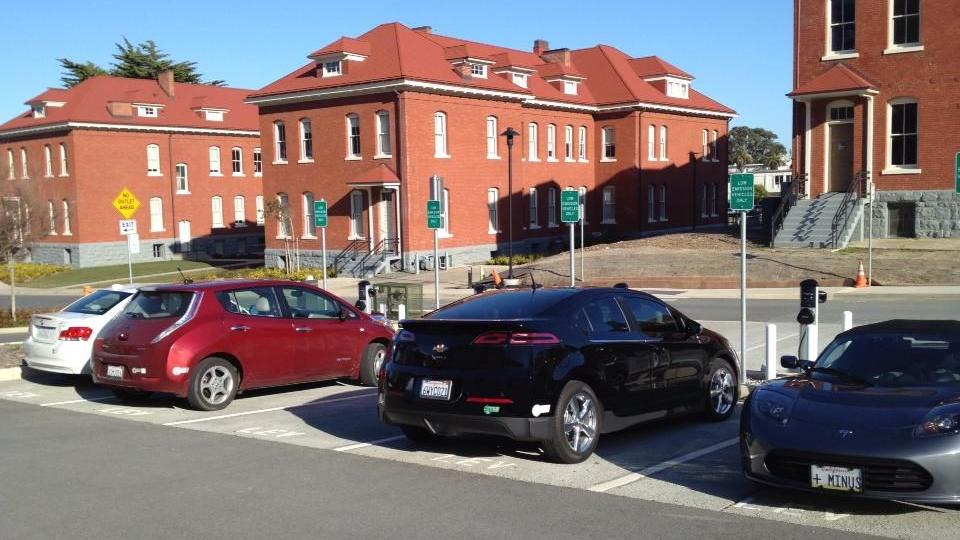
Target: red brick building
[
  {"x": 876, "y": 92},
  {"x": 189, "y": 153},
  {"x": 380, "y": 123}
]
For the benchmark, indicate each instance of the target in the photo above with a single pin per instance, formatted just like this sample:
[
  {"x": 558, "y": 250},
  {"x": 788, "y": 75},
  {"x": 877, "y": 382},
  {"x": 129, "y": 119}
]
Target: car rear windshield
[
  {"x": 518, "y": 304},
  {"x": 897, "y": 360},
  {"x": 158, "y": 304},
  {"x": 97, "y": 303}
]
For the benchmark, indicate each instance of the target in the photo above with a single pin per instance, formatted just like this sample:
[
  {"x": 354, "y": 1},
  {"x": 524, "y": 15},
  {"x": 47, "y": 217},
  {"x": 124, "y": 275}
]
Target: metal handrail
[
  {"x": 788, "y": 199},
  {"x": 856, "y": 186},
  {"x": 349, "y": 252},
  {"x": 382, "y": 248}
]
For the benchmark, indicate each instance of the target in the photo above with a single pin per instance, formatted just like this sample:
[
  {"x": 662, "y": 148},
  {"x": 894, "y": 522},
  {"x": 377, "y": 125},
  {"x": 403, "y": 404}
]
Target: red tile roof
[
  {"x": 398, "y": 52},
  {"x": 344, "y": 45},
  {"x": 88, "y": 102},
  {"x": 379, "y": 174},
  {"x": 838, "y": 78}
]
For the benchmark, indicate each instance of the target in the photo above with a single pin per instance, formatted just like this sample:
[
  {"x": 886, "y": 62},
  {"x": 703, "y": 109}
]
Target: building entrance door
[
  {"x": 388, "y": 221},
  {"x": 185, "y": 236},
  {"x": 841, "y": 157}
]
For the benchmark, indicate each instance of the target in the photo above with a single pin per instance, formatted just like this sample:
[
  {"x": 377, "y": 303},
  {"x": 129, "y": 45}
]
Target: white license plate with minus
[
  {"x": 115, "y": 371},
  {"x": 434, "y": 389},
  {"x": 836, "y": 478}
]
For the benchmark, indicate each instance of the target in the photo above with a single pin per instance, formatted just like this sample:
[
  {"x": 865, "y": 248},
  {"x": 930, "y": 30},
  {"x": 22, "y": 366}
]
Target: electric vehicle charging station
[{"x": 809, "y": 318}]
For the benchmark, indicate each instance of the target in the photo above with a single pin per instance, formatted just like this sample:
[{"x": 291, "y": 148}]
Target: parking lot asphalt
[{"x": 683, "y": 462}]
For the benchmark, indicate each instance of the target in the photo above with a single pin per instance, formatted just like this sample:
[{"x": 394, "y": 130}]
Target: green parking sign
[
  {"x": 320, "y": 213},
  {"x": 433, "y": 214},
  {"x": 569, "y": 206},
  {"x": 957, "y": 172},
  {"x": 741, "y": 192}
]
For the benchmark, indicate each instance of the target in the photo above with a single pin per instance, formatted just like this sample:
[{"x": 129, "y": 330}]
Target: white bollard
[
  {"x": 383, "y": 309},
  {"x": 847, "y": 320},
  {"x": 401, "y": 312},
  {"x": 771, "y": 351}
]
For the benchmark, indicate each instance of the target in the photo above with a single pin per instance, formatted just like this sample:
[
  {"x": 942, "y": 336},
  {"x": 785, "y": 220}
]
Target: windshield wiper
[{"x": 841, "y": 373}]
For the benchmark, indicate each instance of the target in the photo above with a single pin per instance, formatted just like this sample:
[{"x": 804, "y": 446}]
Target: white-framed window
[
  {"x": 332, "y": 68},
  {"x": 570, "y": 87},
  {"x": 283, "y": 224},
  {"x": 309, "y": 226},
  {"x": 551, "y": 142},
  {"x": 609, "y": 205},
  {"x": 257, "y": 162},
  {"x": 905, "y": 23},
  {"x": 239, "y": 209},
  {"x": 663, "y": 202},
  {"x": 651, "y": 142},
  {"x": 153, "y": 160},
  {"x": 478, "y": 70},
  {"x": 551, "y": 207},
  {"x": 663, "y": 143},
  {"x": 383, "y": 134},
  {"x": 353, "y": 136},
  {"x": 11, "y": 172},
  {"x": 608, "y": 134},
  {"x": 534, "y": 209},
  {"x": 306, "y": 140},
  {"x": 236, "y": 161},
  {"x": 215, "y": 161},
  {"x": 519, "y": 79},
  {"x": 279, "y": 142},
  {"x": 532, "y": 142},
  {"x": 704, "y": 148},
  {"x": 841, "y": 112},
  {"x": 216, "y": 205},
  {"x": 582, "y": 143},
  {"x": 23, "y": 163},
  {"x": 356, "y": 215},
  {"x": 583, "y": 203},
  {"x": 47, "y": 161},
  {"x": 493, "y": 150},
  {"x": 903, "y": 129},
  {"x": 651, "y": 204},
  {"x": 678, "y": 89},
  {"x": 51, "y": 219},
  {"x": 63, "y": 160},
  {"x": 156, "y": 214},
  {"x": 440, "y": 135},
  {"x": 568, "y": 143},
  {"x": 183, "y": 181},
  {"x": 493, "y": 216},
  {"x": 842, "y": 26},
  {"x": 65, "y": 204},
  {"x": 714, "y": 191},
  {"x": 213, "y": 116},
  {"x": 704, "y": 205},
  {"x": 39, "y": 111},
  {"x": 714, "y": 153},
  {"x": 147, "y": 111},
  {"x": 261, "y": 214}
]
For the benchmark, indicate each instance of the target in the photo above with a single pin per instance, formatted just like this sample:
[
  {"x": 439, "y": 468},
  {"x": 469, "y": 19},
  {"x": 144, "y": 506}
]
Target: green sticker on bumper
[{"x": 491, "y": 409}]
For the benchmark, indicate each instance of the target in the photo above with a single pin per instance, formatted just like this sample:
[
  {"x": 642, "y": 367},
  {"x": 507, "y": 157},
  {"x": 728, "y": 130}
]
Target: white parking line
[
  {"x": 366, "y": 444},
  {"x": 272, "y": 409},
  {"x": 660, "y": 467},
  {"x": 755, "y": 347},
  {"x": 104, "y": 398}
]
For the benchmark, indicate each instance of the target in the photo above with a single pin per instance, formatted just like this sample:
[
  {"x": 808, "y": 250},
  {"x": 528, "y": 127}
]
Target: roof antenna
[
  {"x": 186, "y": 280},
  {"x": 533, "y": 282}
]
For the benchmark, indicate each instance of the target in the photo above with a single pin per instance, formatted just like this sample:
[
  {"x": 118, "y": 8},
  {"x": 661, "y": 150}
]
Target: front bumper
[
  {"x": 446, "y": 424},
  {"x": 67, "y": 357}
]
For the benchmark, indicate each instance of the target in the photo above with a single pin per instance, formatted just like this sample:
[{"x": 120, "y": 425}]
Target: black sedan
[
  {"x": 554, "y": 365},
  {"x": 877, "y": 415}
]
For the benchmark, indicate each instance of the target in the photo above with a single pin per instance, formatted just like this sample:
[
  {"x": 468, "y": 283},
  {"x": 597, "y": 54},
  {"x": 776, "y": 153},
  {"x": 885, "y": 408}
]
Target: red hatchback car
[{"x": 207, "y": 341}]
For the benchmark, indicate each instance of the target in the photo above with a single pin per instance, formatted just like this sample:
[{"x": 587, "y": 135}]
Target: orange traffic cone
[
  {"x": 497, "y": 280},
  {"x": 87, "y": 289},
  {"x": 861, "y": 278}
]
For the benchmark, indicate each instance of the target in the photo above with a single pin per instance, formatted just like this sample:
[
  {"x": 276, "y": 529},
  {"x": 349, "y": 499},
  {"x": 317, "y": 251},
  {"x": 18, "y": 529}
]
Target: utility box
[{"x": 393, "y": 294}]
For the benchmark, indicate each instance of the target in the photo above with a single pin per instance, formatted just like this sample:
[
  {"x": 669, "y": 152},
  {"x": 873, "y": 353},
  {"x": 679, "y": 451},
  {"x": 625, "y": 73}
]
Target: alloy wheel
[
  {"x": 216, "y": 385},
  {"x": 378, "y": 362},
  {"x": 580, "y": 422},
  {"x": 722, "y": 391}
]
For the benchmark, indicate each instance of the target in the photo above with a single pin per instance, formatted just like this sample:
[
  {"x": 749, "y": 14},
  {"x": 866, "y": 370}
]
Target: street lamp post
[{"x": 510, "y": 133}]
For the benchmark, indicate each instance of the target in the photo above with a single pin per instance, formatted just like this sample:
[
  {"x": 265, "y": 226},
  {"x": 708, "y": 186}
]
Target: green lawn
[{"x": 116, "y": 273}]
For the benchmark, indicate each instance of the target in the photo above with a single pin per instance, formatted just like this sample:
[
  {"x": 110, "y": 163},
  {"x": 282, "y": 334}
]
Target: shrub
[
  {"x": 264, "y": 273},
  {"x": 517, "y": 259},
  {"x": 23, "y": 316},
  {"x": 27, "y": 272}
]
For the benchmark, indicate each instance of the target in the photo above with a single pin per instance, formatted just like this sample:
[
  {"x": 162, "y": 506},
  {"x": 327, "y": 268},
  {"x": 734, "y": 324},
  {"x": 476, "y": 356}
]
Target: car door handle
[
  {"x": 303, "y": 329},
  {"x": 240, "y": 328}
]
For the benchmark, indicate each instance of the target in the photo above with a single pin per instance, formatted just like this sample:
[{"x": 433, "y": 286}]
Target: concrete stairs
[{"x": 810, "y": 222}]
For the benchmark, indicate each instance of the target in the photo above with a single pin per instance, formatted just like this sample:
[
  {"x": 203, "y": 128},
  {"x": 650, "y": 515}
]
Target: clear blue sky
[{"x": 738, "y": 50}]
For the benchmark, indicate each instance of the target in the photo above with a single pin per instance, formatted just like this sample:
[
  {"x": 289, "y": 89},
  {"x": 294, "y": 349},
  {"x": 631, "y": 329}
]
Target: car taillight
[
  {"x": 405, "y": 336},
  {"x": 516, "y": 338},
  {"x": 76, "y": 333}
]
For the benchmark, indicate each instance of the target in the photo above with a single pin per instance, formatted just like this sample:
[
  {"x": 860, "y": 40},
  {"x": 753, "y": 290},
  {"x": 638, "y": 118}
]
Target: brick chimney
[
  {"x": 165, "y": 80},
  {"x": 557, "y": 56},
  {"x": 540, "y": 46},
  {"x": 117, "y": 108},
  {"x": 423, "y": 29}
]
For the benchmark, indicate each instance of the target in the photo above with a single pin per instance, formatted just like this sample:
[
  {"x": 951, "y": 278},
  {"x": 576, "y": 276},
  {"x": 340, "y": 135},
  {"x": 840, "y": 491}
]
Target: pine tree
[
  {"x": 141, "y": 61},
  {"x": 75, "y": 73}
]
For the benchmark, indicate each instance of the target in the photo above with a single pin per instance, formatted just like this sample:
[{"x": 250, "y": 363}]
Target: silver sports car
[{"x": 877, "y": 415}]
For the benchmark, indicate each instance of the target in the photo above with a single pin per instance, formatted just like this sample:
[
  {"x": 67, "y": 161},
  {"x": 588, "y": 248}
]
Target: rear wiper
[{"x": 841, "y": 373}]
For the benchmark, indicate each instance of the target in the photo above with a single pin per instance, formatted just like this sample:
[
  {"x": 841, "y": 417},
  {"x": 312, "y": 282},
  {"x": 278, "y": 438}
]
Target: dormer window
[
  {"x": 570, "y": 87},
  {"x": 478, "y": 70},
  {"x": 332, "y": 68},
  {"x": 147, "y": 111},
  {"x": 39, "y": 111},
  {"x": 678, "y": 89},
  {"x": 519, "y": 79},
  {"x": 213, "y": 116}
]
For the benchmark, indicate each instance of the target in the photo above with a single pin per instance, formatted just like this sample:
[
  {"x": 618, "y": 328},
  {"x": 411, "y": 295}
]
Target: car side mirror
[
  {"x": 694, "y": 328},
  {"x": 790, "y": 362},
  {"x": 341, "y": 313}
]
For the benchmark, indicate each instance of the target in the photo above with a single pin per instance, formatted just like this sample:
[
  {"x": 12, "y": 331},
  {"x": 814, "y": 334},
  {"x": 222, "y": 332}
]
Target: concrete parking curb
[
  {"x": 11, "y": 373},
  {"x": 16, "y": 330}
]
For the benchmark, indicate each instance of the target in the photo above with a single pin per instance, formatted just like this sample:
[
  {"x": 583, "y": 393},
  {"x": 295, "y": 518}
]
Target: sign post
[
  {"x": 957, "y": 172},
  {"x": 741, "y": 198},
  {"x": 434, "y": 222},
  {"x": 570, "y": 214},
  {"x": 126, "y": 204},
  {"x": 320, "y": 220}
]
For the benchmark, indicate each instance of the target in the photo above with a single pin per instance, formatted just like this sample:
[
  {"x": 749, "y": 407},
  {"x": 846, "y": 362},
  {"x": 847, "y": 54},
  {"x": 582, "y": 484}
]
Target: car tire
[
  {"x": 420, "y": 435},
  {"x": 579, "y": 413},
  {"x": 721, "y": 391},
  {"x": 130, "y": 394},
  {"x": 373, "y": 357},
  {"x": 213, "y": 384}
]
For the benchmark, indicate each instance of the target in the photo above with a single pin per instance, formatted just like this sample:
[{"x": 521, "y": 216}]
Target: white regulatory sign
[
  {"x": 133, "y": 243},
  {"x": 128, "y": 226}
]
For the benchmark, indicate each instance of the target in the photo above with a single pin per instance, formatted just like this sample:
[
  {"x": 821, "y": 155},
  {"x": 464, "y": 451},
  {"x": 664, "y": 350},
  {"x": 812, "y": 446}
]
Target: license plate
[
  {"x": 431, "y": 389},
  {"x": 44, "y": 333},
  {"x": 836, "y": 478},
  {"x": 115, "y": 371}
]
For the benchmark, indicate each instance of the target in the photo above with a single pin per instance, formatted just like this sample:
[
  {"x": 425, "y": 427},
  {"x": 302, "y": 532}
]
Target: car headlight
[
  {"x": 943, "y": 420},
  {"x": 774, "y": 406}
]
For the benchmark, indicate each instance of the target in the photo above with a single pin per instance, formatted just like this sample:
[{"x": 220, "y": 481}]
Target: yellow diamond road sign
[{"x": 126, "y": 204}]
